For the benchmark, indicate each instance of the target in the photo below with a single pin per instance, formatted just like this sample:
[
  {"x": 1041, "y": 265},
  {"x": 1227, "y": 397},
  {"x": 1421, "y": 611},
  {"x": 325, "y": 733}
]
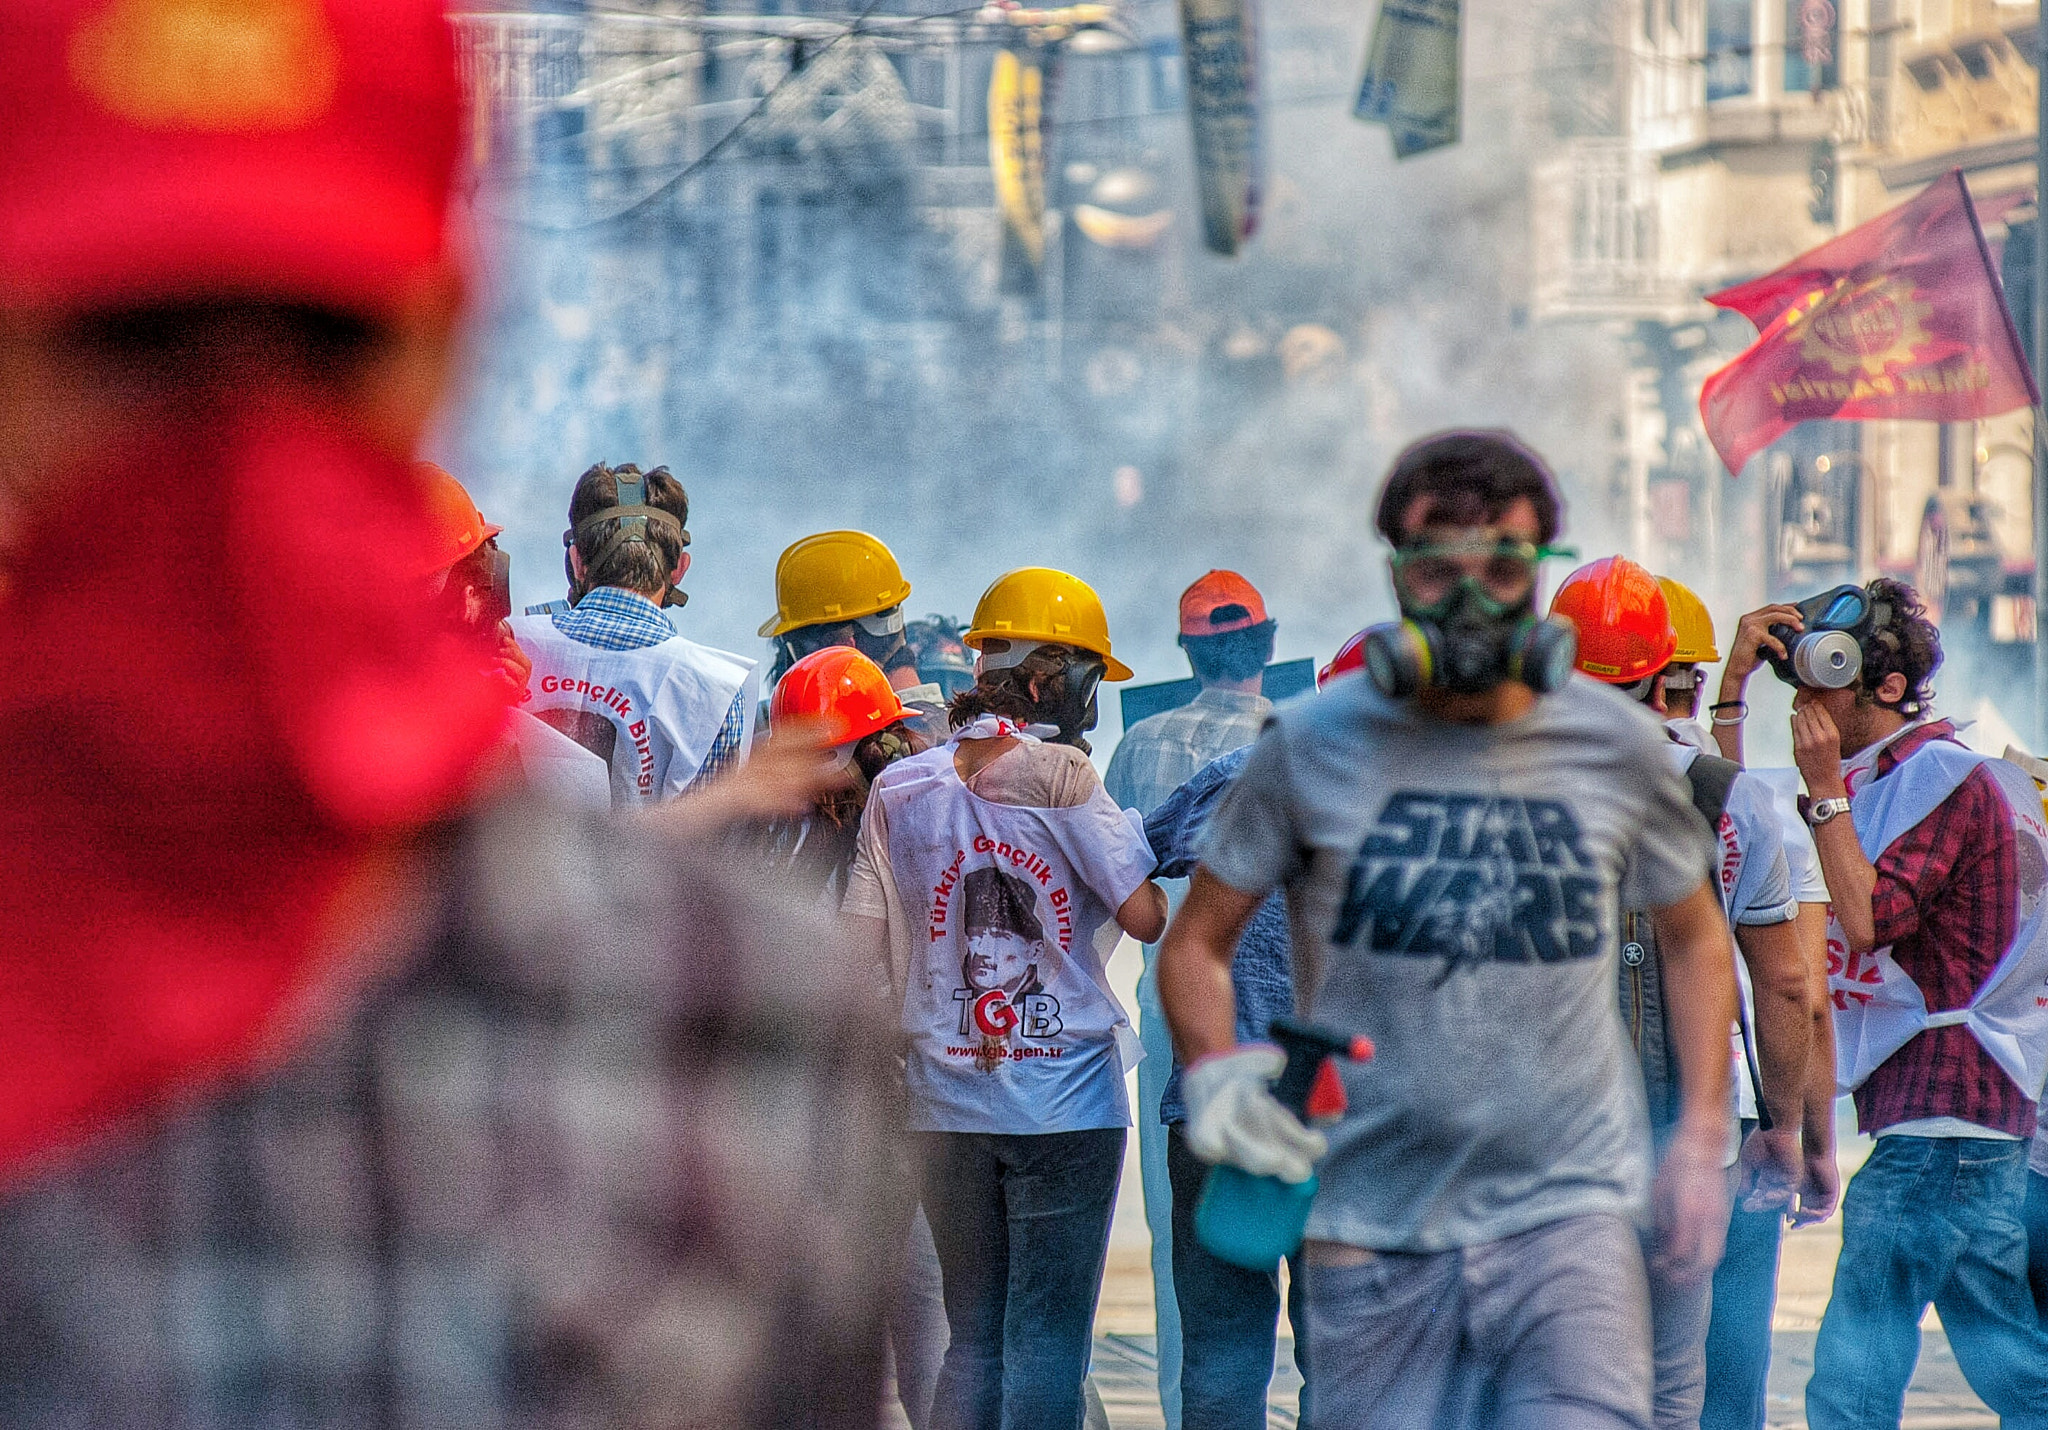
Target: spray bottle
[{"x": 1253, "y": 1221}]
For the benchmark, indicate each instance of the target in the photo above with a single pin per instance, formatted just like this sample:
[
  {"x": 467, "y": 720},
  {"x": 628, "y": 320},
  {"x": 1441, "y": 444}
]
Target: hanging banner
[
  {"x": 1411, "y": 75},
  {"x": 1219, "y": 43},
  {"x": 1016, "y": 156}
]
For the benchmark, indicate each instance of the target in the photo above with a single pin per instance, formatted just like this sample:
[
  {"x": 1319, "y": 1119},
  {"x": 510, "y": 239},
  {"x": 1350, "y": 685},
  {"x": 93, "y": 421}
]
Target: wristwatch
[{"x": 1823, "y": 810}]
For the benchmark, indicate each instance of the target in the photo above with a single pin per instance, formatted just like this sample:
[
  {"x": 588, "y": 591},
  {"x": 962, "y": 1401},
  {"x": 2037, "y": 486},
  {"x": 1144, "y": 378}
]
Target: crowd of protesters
[{"x": 419, "y": 1014}]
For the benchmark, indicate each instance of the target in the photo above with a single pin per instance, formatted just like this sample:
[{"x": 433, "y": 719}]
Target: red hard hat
[
  {"x": 842, "y": 690},
  {"x": 458, "y": 527},
  {"x": 1350, "y": 657},
  {"x": 1625, "y": 630}
]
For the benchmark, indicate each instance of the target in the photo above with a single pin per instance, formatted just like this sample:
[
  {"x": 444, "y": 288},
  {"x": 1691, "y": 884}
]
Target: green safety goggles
[{"x": 1498, "y": 574}]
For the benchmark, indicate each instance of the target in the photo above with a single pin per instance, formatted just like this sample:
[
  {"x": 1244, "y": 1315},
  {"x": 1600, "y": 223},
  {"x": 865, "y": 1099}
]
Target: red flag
[{"x": 1899, "y": 317}]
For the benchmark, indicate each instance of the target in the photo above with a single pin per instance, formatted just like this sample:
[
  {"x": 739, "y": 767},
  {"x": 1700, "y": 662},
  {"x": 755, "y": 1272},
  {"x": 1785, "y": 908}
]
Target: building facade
[{"x": 1758, "y": 129}]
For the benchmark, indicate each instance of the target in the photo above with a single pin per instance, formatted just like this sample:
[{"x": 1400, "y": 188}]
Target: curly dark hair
[
  {"x": 1007, "y": 692},
  {"x": 1903, "y": 642},
  {"x": 1469, "y": 478}
]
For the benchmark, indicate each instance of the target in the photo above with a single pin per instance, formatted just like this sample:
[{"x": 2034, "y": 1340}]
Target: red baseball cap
[
  {"x": 1220, "y": 602},
  {"x": 160, "y": 149}
]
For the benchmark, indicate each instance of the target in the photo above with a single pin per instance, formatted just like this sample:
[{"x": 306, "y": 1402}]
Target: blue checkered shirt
[
  {"x": 1161, "y": 753},
  {"x": 1262, "y": 969},
  {"x": 613, "y": 618}
]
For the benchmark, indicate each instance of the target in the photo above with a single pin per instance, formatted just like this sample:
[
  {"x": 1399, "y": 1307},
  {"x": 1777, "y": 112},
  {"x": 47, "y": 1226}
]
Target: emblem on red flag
[{"x": 1901, "y": 317}]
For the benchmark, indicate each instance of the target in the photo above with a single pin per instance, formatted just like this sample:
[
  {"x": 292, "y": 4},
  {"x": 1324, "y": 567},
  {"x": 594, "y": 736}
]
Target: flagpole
[{"x": 2040, "y": 319}]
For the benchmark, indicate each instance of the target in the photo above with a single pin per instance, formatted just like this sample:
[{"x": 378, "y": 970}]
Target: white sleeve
[
  {"x": 1801, "y": 858},
  {"x": 1109, "y": 849},
  {"x": 1763, "y": 887},
  {"x": 865, "y": 895}
]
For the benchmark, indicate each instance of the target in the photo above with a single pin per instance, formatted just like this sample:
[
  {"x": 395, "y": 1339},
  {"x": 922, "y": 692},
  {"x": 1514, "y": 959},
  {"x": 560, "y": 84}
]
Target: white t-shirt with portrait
[{"x": 1009, "y": 911}]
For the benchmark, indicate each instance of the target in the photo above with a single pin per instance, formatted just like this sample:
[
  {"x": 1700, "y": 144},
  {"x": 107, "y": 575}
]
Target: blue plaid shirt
[
  {"x": 1261, "y": 972},
  {"x": 613, "y": 618}
]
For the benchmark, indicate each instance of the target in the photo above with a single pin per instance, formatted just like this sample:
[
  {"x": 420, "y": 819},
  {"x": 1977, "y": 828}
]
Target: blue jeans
[
  {"x": 2037, "y": 1241},
  {"x": 1228, "y": 1316},
  {"x": 1931, "y": 1219},
  {"x": 1739, "y": 1332},
  {"x": 917, "y": 1325},
  {"x": 1160, "y": 1211},
  {"x": 1022, "y": 1228}
]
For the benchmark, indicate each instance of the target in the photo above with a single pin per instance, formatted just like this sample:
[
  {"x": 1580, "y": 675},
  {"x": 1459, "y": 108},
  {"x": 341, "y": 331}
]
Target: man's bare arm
[
  {"x": 1820, "y": 1187},
  {"x": 1851, "y": 877},
  {"x": 1784, "y": 1035},
  {"x": 1784, "y": 1018},
  {"x": 1194, "y": 966}
]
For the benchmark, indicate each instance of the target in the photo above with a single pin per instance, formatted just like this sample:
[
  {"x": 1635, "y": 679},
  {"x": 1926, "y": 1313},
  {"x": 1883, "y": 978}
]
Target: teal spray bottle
[{"x": 1253, "y": 1221}]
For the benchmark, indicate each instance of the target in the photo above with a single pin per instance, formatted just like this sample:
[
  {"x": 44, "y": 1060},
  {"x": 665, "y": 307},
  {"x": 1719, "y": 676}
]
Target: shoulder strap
[{"x": 1711, "y": 777}]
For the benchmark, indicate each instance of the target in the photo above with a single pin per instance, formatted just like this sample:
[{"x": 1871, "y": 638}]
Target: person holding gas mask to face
[
  {"x": 996, "y": 872},
  {"x": 1935, "y": 859}
]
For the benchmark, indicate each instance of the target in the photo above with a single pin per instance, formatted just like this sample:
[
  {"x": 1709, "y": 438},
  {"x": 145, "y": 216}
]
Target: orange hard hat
[
  {"x": 456, "y": 526},
  {"x": 1350, "y": 657},
  {"x": 1625, "y": 630},
  {"x": 842, "y": 690}
]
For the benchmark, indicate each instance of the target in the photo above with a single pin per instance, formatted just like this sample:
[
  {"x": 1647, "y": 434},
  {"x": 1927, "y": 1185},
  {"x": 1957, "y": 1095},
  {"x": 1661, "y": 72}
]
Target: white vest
[
  {"x": 665, "y": 703},
  {"x": 1878, "y": 1007},
  {"x": 557, "y": 768},
  {"x": 1013, "y": 1030}
]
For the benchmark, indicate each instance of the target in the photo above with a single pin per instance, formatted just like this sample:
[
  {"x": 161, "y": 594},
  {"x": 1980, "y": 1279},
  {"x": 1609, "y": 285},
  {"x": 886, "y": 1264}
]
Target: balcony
[{"x": 1596, "y": 236}]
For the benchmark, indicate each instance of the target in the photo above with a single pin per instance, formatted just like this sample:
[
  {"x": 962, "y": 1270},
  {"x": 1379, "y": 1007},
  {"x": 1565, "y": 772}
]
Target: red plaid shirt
[{"x": 1947, "y": 901}]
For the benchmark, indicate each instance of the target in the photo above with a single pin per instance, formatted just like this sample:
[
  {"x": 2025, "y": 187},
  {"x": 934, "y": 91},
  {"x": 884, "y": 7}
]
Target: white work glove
[{"x": 1233, "y": 1116}]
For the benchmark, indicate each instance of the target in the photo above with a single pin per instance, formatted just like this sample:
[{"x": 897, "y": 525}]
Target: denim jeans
[
  {"x": 1931, "y": 1219},
  {"x": 917, "y": 1325},
  {"x": 1022, "y": 1227},
  {"x": 1739, "y": 1333},
  {"x": 1160, "y": 1212},
  {"x": 2037, "y": 1241},
  {"x": 1228, "y": 1316}
]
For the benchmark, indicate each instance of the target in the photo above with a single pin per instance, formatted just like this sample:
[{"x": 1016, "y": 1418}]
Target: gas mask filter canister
[
  {"x": 1828, "y": 654},
  {"x": 1468, "y": 644}
]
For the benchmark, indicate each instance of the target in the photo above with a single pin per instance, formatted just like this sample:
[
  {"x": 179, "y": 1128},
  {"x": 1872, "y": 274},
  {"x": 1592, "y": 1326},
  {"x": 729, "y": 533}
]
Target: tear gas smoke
[{"x": 811, "y": 332}]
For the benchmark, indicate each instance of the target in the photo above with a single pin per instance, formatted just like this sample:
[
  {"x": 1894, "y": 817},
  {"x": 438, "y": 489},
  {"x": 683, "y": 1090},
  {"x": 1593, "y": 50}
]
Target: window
[
  {"x": 1730, "y": 48},
  {"x": 1813, "y": 34}
]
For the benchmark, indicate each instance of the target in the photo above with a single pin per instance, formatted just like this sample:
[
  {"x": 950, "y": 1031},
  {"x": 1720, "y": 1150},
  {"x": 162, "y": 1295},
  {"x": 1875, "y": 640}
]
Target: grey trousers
[{"x": 1546, "y": 1330}]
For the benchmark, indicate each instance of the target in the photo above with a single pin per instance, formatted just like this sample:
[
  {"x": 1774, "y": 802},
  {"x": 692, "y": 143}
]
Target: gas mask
[
  {"x": 633, "y": 513},
  {"x": 879, "y": 637},
  {"x": 1470, "y": 640},
  {"x": 1828, "y": 654},
  {"x": 1074, "y": 711}
]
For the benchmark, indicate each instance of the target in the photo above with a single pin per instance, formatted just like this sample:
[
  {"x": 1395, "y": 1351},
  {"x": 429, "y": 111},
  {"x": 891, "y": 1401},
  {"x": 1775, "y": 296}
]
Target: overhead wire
[{"x": 861, "y": 25}]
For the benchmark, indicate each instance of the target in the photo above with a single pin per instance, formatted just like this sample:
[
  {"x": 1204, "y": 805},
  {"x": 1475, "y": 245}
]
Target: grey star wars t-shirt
[{"x": 1454, "y": 894}]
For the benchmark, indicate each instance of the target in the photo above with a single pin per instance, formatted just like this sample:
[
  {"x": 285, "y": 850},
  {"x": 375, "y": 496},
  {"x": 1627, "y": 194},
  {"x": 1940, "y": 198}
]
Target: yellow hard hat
[
  {"x": 1037, "y": 603},
  {"x": 1694, "y": 626},
  {"x": 832, "y": 577}
]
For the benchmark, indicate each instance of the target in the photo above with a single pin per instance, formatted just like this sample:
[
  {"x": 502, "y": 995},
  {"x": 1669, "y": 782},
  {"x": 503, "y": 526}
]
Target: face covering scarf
[{"x": 232, "y": 705}]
